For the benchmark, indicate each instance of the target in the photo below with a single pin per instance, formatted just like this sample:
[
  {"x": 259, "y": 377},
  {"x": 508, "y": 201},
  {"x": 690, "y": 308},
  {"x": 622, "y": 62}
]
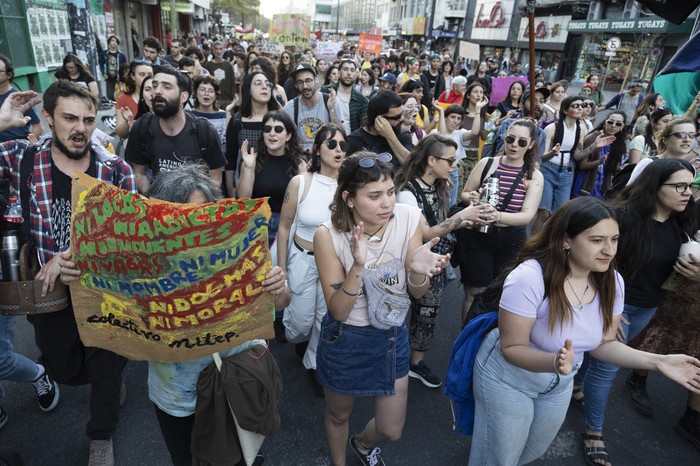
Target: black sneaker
[
  {"x": 3, "y": 417},
  {"x": 636, "y": 391},
  {"x": 367, "y": 456},
  {"x": 423, "y": 373},
  {"x": 47, "y": 392}
]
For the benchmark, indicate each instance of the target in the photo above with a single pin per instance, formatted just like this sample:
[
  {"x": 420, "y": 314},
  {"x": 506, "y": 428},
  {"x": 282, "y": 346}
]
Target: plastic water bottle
[{"x": 11, "y": 241}]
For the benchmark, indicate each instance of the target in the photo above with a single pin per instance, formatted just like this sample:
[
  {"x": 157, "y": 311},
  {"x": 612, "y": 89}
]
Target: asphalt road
[{"x": 58, "y": 438}]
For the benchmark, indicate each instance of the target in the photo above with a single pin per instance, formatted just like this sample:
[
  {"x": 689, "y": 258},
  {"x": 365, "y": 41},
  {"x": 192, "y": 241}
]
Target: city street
[{"x": 57, "y": 438}]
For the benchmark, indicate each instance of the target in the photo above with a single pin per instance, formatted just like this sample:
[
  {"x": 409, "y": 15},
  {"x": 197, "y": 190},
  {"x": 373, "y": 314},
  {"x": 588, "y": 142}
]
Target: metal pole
[
  {"x": 531, "y": 40},
  {"x": 432, "y": 18},
  {"x": 337, "y": 21},
  {"x": 605, "y": 76}
]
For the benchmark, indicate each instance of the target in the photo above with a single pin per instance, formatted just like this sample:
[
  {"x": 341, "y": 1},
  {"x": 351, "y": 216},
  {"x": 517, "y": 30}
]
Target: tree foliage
[{"x": 238, "y": 9}]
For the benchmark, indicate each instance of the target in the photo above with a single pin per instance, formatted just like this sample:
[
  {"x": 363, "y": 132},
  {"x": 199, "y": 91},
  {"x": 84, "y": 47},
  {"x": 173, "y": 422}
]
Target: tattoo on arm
[
  {"x": 336, "y": 286},
  {"x": 286, "y": 197}
]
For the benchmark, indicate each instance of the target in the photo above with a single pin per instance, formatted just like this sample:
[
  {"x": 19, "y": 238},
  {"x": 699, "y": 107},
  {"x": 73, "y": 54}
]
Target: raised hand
[
  {"x": 602, "y": 140},
  {"x": 248, "y": 155},
  {"x": 358, "y": 244},
  {"x": 12, "y": 110},
  {"x": 426, "y": 262}
]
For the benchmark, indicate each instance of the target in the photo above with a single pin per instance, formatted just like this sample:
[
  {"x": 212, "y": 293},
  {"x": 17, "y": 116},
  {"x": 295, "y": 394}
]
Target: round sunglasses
[
  {"x": 521, "y": 142},
  {"x": 278, "y": 129},
  {"x": 333, "y": 143}
]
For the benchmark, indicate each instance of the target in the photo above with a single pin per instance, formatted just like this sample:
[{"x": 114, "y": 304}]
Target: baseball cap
[
  {"x": 302, "y": 67},
  {"x": 388, "y": 77},
  {"x": 542, "y": 90}
]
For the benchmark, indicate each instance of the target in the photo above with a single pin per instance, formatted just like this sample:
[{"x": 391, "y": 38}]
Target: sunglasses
[
  {"x": 450, "y": 160},
  {"x": 684, "y": 134},
  {"x": 614, "y": 123},
  {"x": 395, "y": 117},
  {"x": 576, "y": 105},
  {"x": 278, "y": 129},
  {"x": 369, "y": 162},
  {"x": 521, "y": 142},
  {"x": 587, "y": 104},
  {"x": 681, "y": 187},
  {"x": 332, "y": 144}
]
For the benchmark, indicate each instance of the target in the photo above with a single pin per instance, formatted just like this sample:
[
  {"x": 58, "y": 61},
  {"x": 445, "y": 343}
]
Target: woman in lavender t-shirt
[{"x": 562, "y": 299}]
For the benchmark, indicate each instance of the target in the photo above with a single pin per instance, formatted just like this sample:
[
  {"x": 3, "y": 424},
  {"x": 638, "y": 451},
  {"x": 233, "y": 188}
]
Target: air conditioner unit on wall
[
  {"x": 595, "y": 11},
  {"x": 631, "y": 10}
]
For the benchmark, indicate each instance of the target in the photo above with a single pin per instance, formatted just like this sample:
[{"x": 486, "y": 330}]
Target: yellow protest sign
[
  {"x": 291, "y": 29},
  {"x": 168, "y": 282}
]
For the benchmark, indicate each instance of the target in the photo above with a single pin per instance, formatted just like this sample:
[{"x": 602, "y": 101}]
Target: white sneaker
[{"x": 101, "y": 453}]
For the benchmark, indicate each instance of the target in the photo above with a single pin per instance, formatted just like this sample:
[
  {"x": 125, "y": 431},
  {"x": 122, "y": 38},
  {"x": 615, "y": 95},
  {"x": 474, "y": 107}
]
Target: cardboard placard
[
  {"x": 168, "y": 282},
  {"x": 291, "y": 29},
  {"x": 469, "y": 50},
  {"x": 369, "y": 43}
]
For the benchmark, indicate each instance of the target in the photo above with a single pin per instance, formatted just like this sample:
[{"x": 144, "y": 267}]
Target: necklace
[
  {"x": 580, "y": 300},
  {"x": 425, "y": 182},
  {"x": 371, "y": 237}
]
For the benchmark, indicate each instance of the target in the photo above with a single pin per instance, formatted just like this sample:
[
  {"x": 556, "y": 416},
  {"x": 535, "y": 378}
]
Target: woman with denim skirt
[
  {"x": 563, "y": 298},
  {"x": 367, "y": 255}
]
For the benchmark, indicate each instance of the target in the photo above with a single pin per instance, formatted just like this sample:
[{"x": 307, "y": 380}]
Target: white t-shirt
[
  {"x": 456, "y": 136},
  {"x": 523, "y": 295},
  {"x": 345, "y": 109}
]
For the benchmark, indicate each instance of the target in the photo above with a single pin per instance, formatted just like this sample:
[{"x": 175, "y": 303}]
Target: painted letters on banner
[
  {"x": 369, "y": 43},
  {"x": 168, "y": 282},
  {"x": 291, "y": 29}
]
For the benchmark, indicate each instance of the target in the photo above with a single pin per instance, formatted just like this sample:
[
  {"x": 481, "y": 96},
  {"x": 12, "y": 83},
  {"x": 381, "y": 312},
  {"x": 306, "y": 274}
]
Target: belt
[{"x": 310, "y": 253}]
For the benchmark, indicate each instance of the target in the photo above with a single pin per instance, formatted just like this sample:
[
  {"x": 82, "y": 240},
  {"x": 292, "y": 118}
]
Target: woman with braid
[{"x": 564, "y": 147}]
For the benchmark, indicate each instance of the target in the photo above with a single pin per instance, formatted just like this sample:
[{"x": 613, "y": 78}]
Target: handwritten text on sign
[{"x": 168, "y": 282}]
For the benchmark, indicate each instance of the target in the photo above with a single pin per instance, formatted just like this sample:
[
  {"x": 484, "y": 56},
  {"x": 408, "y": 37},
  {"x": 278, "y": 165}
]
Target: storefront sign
[
  {"x": 419, "y": 26},
  {"x": 646, "y": 24},
  {"x": 549, "y": 29},
  {"x": 492, "y": 20},
  {"x": 180, "y": 7},
  {"x": 442, "y": 33}
]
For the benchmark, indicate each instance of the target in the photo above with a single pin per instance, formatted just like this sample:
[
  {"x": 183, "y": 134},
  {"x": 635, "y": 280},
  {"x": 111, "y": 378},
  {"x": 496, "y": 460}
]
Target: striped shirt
[{"x": 506, "y": 176}]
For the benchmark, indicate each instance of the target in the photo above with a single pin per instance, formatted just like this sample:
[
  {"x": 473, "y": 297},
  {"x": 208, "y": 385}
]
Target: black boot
[
  {"x": 689, "y": 426},
  {"x": 636, "y": 391}
]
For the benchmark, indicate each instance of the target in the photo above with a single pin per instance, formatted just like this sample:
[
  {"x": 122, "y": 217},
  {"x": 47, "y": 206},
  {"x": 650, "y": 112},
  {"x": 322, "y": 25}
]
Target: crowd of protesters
[{"x": 376, "y": 169}]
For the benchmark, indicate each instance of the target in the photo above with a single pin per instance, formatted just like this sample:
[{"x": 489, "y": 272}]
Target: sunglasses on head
[
  {"x": 369, "y": 162},
  {"x": 333, "y": 143},
  {"x": 521, "y": 142},
  {"x": 614, "y": 123},
  {"x": 684, "y": 134},
  {"x": 278, "y": 129}
]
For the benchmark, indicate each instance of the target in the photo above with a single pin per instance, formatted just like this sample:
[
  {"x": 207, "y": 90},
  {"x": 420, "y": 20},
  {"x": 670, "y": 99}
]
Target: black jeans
[
  {"x": 177, "y": 433},
  {"x": 69, "y": 362}
]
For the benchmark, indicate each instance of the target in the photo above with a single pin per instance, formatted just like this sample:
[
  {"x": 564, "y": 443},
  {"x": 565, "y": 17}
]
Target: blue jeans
[
  {"x": 13, "y": 366},
  {"x": 454, "y": 193},
  {"x": 600, "y": 375},
  {"x": 518, "y": 412},
  {"x": 557, "y": 186}
]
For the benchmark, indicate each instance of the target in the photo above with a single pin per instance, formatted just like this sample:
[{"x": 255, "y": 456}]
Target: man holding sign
[{"x": 71, "y": 112}]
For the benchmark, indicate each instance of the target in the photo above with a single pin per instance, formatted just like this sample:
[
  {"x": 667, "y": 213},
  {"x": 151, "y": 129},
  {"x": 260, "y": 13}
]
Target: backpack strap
[
  {"x": 429, "y": 215},
  {"x": 485, "y": 172},
  {"x": 25, "y": 173},
  {"x": 145, "y": 133},
  {"x": 202, "y": 132},
  {"x": 296, "y": 111}
]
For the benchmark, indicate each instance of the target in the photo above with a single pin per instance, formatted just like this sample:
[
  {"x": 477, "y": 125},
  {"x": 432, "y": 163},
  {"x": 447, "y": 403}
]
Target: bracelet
[
  {"x": 354, "y": 295},
  {"x": 408, "y": 279},
  {"x": 554, "y": 363},
  {"x": 500, "y": 216}
]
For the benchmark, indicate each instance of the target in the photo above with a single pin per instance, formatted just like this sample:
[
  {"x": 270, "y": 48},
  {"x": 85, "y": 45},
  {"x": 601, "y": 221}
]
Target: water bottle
[
  {"x": 490, "y": 196},
  {"x": 11, "y": 241}
]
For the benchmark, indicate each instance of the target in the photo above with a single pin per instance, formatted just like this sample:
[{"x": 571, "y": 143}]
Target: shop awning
[{"x": 648, "y": 24}]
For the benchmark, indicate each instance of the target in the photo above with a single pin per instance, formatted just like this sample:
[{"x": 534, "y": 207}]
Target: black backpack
[
  {"x": 621, "y": 179},
  {"x": 201, "y": 130}
]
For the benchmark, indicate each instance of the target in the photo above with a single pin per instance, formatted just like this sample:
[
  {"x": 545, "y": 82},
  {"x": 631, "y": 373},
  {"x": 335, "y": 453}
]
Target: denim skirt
[{"x": 361, "y": 361}]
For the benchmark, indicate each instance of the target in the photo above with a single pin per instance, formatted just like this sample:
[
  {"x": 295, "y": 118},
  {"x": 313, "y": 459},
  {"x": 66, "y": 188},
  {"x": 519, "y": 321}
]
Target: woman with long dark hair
[
  {"x": 246, "y": 124},
  {"x": 509, "y": 107},
  {"x": 367, "y": 85},
  {"x": 520, "y": 190},
  {"x": 369, "y": 252},
  {"x": 650, "y": 103},
  {"x": 128, "y": 102},
  {"x": 562, "y": 298},
  {"x": 284, "y": 67},
  {"x": 474, "y": 104},
  {"x": 656, "y": 213},
  {"x": 305, "y": 207},
  {"x": 424, "y": 182},
  {"x": 594, "y": 173},
  {"x": 73, "y": 69},
  {"x": 145, "y": 99}
]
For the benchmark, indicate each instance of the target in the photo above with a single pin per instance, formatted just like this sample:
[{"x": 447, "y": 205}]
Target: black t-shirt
[
  {"x": 61, "y": 207},
  {"x": 169, "y": 152},
  {"x": 272, "y": 181},
  {"x": 643, "y": 288},
  {"x": 360, "y": 139}
]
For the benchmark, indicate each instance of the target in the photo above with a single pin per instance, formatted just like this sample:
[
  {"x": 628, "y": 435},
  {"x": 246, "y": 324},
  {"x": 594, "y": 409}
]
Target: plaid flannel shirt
[
  {"x": 357, "y": 106},
  {"x": 110, "y": 169}
]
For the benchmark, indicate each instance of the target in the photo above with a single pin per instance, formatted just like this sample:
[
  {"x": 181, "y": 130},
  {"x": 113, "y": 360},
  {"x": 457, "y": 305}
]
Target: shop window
[{"x": 13, "y": 30}]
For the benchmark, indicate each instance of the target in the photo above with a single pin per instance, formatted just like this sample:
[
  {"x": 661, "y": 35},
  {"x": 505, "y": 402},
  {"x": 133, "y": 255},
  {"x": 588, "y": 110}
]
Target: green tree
[{"x": 239, "y": 10}]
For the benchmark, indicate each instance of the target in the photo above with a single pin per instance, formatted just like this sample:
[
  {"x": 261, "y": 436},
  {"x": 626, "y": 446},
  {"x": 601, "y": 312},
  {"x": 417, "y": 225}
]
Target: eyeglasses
[
  {"x": 395, "y": 117},
  {"x": 333, "y": 143},
  {"x": 369, "y": 162},
  {"x": 521, "y": 142},
  {"x": 305, "y": 82},
  {"x": 684, "y": 134},
  {"x": 450, "y": 160},
  {"x": 681, "y": 187},
  {"x": 262, "y": 83},
  {"x": 279, "y": 129},
  {"x": 614, "y": 123},
  {"x": 576, "y": 105},
  {"x": 203, "y": 90}
]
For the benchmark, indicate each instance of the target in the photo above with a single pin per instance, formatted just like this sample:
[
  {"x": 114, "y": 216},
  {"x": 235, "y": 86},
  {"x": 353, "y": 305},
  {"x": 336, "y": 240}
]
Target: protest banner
[
  {"x": 500, "y": 86},
  {"x": 270, "y": 46},
  {"x": 369, "y": 43},
  {"x": 291, "y": 29},
  {"x": 168, "y": 282},
  {"x": 328, "y": 49},
  {"x": 469, "y": 50}
]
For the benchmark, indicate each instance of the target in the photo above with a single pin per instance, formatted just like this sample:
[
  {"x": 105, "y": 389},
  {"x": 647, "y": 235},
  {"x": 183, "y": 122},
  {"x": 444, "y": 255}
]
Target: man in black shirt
[{"x": 171, "y": 137}]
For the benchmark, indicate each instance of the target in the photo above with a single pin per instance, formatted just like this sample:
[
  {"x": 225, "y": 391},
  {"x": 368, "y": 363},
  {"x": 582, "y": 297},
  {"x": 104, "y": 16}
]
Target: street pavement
[{"x": 57, "y": 438}]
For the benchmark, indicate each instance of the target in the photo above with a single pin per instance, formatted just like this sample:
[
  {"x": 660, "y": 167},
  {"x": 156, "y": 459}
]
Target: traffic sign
[{"x": 613, "y": 44}]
